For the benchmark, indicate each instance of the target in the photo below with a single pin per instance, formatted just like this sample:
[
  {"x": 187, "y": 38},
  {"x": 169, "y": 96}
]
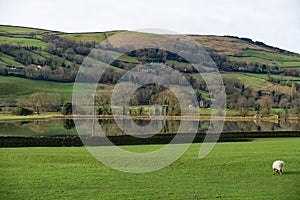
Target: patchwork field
[
  {"x": 18, "y": 87},
  {"x": 249, "y": 81},
  {"x": 231, "y": 171},
  {"x": 268, "y": 58}
]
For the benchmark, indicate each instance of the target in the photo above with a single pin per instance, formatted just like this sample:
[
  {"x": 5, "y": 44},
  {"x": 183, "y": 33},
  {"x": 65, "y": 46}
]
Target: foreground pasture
[{"x": 240, "y": 170}]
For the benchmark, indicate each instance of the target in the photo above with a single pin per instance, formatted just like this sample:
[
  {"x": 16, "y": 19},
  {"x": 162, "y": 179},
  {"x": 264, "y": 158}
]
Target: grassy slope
[
  {"x": 249, "y": 81},
  {"x": 21, "y": 30},
  {"x": 89, "y": 37},
  {"x": 282, "y": 78},
  {"x": 235, "y": 48},
  {"x": 230, "y": 171},
  {"x": 240, "y": 50},
  {"x": 269, "y": 58},
  {"x": 7, "y": 59},
  {"x": 19, "y": 87},
  {"x": 22, "y": 41},
  {"x": 224, "y": 45},
  {"x": 257, "y": 82}
]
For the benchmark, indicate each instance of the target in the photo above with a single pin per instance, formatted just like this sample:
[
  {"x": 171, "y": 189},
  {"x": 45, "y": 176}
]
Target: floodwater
[{"x": 64, "y": 127}]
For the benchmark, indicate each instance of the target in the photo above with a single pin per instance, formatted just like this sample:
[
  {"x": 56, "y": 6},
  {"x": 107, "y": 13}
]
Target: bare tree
[
  {"x": 265, "y": 105},
  {"x": 243, "y": 106}
]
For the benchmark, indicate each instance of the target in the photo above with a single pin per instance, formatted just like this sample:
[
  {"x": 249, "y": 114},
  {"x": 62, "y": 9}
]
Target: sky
[{"x": 274, "y": 22}]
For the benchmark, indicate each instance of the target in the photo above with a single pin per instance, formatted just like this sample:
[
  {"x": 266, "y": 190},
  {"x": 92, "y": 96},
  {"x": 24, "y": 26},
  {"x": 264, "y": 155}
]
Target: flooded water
[{"x": 63, "y": 127}]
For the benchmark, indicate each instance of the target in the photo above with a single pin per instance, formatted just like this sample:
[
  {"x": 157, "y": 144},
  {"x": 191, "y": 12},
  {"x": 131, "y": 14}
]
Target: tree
[
  {"x": 296, "y": 106},
  {"x": 283, "y": 103},
  {"x": 22, "y": 111},
  {"x": 36, "y": 101},
  {"x": 243, "y": 106},
  {"x": 103, "y": 100},
  {"x": 67, "y": 109},
  {"x": 141, "y": 111},
  {"x": 68, "y": 124},
  {"x": 265, "y": 105}
]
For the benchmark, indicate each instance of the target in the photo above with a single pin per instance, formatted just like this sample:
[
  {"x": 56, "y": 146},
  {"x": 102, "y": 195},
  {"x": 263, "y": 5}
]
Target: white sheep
[{"x": 278, "y": 166}]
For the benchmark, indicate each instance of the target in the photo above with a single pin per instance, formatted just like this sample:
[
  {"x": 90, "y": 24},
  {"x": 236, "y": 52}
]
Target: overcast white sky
[{"x": 274, "y": 22}]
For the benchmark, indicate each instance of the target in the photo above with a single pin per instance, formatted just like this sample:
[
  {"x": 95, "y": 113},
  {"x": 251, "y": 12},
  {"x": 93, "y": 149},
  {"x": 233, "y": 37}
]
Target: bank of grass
[
  {"x": 6, "y": 29},
  {"x": 249, "y": 81},
  {"x": 268, "y": 58},
  {"x": 266, "y": 77},
  {"x": 231, "y": 171},
  {"x": 47, "y": 115},
  {"x": 15, "y": 88},
  {"x": 7, "y": 59},
  {"x": 22, "y": 41},
  {"x": 96, "y": 37}
]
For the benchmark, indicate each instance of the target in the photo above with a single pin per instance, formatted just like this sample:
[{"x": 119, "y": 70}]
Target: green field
[
  {"x": 249, "y": 81},
  {"x": 86, "y": 37},
  {"x": 89, "y": 37},
  {"x": 28, "y": 117},
  {"x": 7, "y": 59},
  {"x": 231, "y": 171},
  {"x": 21, "y": 30},
  {"x": 282, "y": 78},
  {"x": 232, "y": 112},
  {"x": 22, "y": 41},
  {"x": 18, "y": 87},
  {"x": 268, "y": 58}
]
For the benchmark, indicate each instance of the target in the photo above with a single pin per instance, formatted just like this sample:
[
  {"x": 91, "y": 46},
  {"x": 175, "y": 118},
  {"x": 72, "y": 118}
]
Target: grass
[
  {"x": 41, "y": 116},
  {"x": 85, "y": 37},
  {"x": 265, "y": 76},
  {"x": 128, "y": 59},
  {"x": 2, "y": 63},
  {"x": 223, "y": 45},
  {"x": 269, "y": 58},
  {"x": 120, "y": 56},
  {"x": 231, "y": 171},
  {"x": 20, "y": 30},
  {"x": 22, "y": 41},
  {"x": 8, "y": 60},
  {"x": 178, "y": 64},
  {"x": 89, "y": 37},
  {"x": 229, "y": 113},
  {"x": 249, "y": 81},
  {"x": 17, "y": 88},
  {"x": 259, "y": 81}
]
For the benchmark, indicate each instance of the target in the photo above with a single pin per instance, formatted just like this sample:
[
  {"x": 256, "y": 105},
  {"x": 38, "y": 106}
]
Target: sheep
[{"x": 278, "y": 166}]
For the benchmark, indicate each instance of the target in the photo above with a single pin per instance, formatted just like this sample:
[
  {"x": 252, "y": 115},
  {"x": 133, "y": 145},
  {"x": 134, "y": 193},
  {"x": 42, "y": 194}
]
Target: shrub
[
  {"x": 67, "y": 109},
  {"x": 22, "y": 111}
]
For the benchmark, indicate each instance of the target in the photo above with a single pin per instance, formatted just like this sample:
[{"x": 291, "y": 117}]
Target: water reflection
[{"x": 61, "y": 127}]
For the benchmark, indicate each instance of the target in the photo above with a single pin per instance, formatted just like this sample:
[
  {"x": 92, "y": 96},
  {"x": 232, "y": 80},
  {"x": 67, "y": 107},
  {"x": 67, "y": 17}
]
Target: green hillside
[
  {"x": 16, "y": 88},
  {"x": 6, "y": 29},
  {"x": 36, "y": 60},
  {"x": 233, "y": 48},
  {"x": 268, "y": 58}
]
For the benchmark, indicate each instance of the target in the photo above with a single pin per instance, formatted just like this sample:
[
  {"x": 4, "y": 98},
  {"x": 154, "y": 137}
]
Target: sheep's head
[{"x": 277, "y": 171}]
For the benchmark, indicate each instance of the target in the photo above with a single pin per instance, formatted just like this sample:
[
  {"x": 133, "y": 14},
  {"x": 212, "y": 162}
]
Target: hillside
[
  {"x": 233, "y": 48},
  {"x": 49, "y": 56}
]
